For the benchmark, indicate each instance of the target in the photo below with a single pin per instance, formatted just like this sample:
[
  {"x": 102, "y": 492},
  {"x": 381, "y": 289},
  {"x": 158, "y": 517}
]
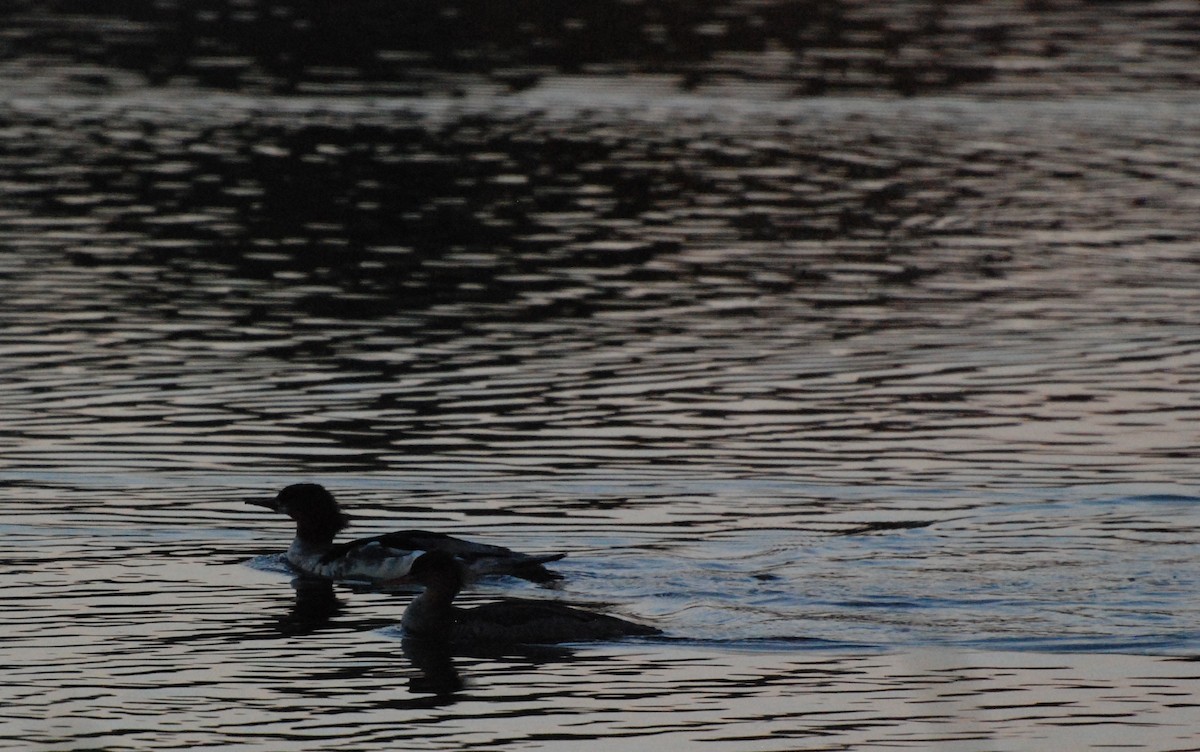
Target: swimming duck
[
  {"x": 432, "y": 615},
  {"x": 383, "y": 558}
]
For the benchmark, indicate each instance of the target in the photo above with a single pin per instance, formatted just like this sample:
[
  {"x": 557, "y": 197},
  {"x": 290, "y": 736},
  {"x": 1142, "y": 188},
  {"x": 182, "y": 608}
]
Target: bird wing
[
  {"x": 480, "y": 558},
  {"x": 423, "y": 540}
]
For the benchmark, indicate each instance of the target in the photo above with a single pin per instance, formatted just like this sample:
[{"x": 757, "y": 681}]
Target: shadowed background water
[{"x": 855, "y": 348}]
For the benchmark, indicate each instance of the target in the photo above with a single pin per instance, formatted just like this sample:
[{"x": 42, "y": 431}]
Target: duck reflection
[
  {"x": 439, "y": 674},
  {"x": 314, "y": 608},
  {"x": 435, "y": 662}
]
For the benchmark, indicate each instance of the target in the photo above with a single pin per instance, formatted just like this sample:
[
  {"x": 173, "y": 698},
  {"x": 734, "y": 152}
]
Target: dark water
[{"x": 883, "y": 408}]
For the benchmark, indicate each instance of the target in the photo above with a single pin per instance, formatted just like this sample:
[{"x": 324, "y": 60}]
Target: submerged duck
[
  {"x": 432, "y": 615},
  {"x": 388, "y": 557}
]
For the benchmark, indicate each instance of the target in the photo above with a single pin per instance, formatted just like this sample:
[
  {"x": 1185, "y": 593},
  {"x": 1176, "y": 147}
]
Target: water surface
[{"x": 882, "y": 408}]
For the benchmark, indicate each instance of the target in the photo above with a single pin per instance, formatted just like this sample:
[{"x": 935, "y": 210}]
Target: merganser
[
  {"x": 431, "y": 615},
  {"x": 383, "y": 558}
]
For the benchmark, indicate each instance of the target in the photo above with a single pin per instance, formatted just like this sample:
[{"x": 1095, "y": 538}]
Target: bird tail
[
  {"x": 531, "y": 569},
  {"x": 542, "y": 558}
]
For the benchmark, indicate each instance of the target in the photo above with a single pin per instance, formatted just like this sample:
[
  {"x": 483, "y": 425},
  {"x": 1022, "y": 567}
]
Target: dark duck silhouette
[
  {"x": 383, "y": 558},
  {"x": 432, "y": 615}
]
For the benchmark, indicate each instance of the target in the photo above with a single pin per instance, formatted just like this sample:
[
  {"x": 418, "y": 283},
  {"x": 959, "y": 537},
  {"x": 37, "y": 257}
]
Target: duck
[
  {"x": 432, "y": 616},
  {"x": 387, "y": 558}
]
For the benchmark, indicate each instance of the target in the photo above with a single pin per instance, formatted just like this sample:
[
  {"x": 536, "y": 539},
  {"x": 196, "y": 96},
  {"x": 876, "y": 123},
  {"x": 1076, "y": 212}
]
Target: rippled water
[{"x": 883, "y": 409}]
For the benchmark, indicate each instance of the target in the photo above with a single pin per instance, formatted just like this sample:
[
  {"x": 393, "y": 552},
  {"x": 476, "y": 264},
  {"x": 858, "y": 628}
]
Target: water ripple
[{"x": 882, "y": 409}]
